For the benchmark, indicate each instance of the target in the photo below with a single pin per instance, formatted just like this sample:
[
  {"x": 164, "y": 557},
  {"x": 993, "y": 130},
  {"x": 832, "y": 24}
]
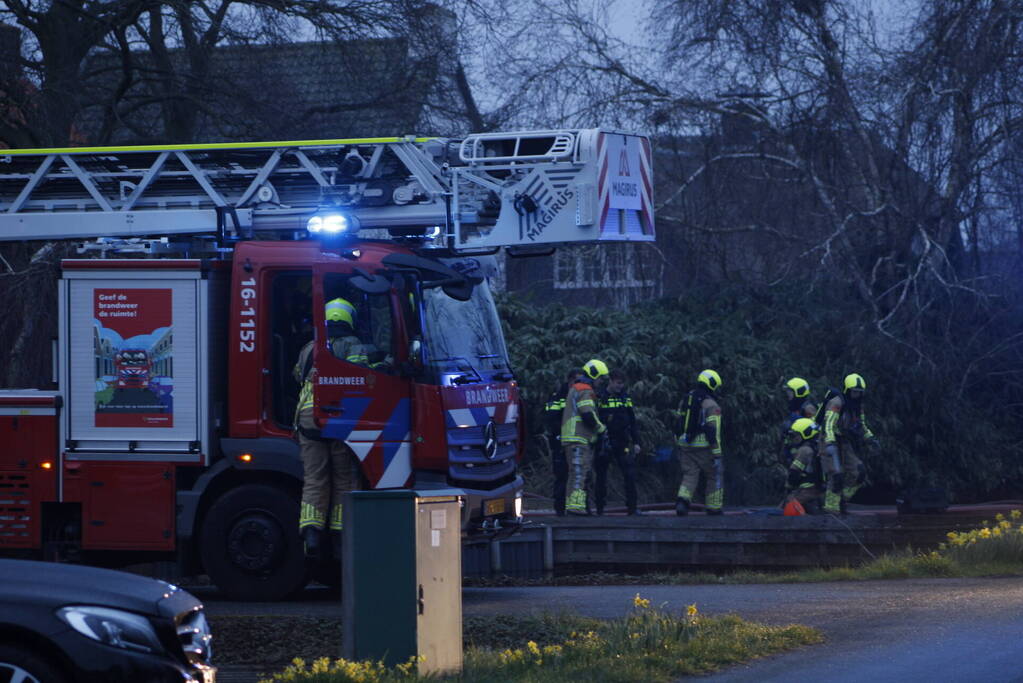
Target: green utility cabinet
[{"x": 402, "y": 578}]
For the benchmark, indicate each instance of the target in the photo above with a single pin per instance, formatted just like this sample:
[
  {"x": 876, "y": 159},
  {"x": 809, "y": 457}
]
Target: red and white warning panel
[
  {"x": 556, "y": 187},
  {"x": 133, "y": 356}
]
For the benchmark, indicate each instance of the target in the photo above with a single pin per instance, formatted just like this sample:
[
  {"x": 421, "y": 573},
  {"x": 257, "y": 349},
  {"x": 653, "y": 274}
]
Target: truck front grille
[{"x": 467, "y": 457}]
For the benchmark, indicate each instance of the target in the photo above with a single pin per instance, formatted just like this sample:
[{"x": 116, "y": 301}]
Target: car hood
[{"x": 48, "y": 583}]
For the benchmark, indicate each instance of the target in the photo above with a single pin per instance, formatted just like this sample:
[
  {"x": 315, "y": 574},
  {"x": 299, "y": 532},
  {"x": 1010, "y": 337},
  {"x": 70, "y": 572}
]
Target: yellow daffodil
[
  {"x": 1016, "y": 514},
  {"x": 533, "y": 648},
  {"x": 691, "y": 610},
  {"x": 997, "y": 531},
  {"x": 640, "y": 602},
  {"x": 984, "y": 533},
  {"x": 999, "y": 517}
]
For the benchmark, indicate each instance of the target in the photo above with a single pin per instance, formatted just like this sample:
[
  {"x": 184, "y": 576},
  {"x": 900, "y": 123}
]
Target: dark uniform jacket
[
  {"x": 616, "y": 411},
  {"x": 553, "y": 409}
]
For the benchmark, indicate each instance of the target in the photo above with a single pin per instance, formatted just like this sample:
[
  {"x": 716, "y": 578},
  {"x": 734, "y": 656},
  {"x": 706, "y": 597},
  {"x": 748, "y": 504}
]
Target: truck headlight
[
  {"x": 112, "y": 627},
  {"x": 518, "y": 505}
]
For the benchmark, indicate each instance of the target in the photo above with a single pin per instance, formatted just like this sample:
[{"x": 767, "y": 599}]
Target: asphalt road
[{"x": 931, "y": 630}]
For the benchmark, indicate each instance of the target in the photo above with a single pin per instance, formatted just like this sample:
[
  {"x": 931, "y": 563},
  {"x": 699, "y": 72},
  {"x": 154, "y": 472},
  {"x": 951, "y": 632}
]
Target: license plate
[{"x": 494, "y": 506}]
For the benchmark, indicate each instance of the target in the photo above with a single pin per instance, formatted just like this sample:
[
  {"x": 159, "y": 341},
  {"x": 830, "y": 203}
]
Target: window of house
[{"x": 600, "y": 266}]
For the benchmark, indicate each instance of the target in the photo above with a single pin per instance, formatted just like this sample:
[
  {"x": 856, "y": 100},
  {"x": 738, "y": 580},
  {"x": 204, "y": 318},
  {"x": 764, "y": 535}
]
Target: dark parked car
[{"x": 64, "y": 623}]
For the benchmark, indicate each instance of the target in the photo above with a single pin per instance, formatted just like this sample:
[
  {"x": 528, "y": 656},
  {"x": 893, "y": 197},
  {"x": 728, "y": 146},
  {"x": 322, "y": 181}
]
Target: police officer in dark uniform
[
  {"x": 621, "y": 445},
  {"x": 552, "y": 413}
]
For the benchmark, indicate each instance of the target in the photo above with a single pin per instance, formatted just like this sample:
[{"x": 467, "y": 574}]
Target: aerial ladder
[{"x": 521, "y": 190}]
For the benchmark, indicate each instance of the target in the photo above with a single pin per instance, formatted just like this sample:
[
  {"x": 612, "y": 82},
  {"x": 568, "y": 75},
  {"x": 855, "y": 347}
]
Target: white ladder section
[{"x": 483, "y": 191}]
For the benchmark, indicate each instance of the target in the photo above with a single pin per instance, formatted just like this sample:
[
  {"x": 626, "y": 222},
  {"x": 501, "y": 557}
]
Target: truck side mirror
[
  {"x": 370, "y": 284},
  {"x": 415, "y": 353}
]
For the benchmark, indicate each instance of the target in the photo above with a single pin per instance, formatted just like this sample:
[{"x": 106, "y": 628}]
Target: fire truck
[
  {"x": 132, "y": 366},
  {"x": 217, "y": 260}
]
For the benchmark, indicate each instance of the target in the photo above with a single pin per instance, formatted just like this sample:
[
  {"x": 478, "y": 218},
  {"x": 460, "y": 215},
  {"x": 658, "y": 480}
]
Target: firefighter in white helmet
[
  {"x": 581, "y": 429},
  {"x": 329, "y": 467}
]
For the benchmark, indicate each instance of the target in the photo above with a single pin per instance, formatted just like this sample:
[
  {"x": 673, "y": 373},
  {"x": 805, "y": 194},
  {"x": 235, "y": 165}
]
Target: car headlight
[{"x": 112, "y": 627}]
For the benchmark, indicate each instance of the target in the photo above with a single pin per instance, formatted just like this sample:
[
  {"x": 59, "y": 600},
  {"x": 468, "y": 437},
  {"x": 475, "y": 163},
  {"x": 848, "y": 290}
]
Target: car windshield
[{"x": 463, "y": 337}]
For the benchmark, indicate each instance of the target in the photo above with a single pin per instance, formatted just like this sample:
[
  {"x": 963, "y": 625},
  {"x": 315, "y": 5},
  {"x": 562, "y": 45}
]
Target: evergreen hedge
[{"x": 943, "y": 410}]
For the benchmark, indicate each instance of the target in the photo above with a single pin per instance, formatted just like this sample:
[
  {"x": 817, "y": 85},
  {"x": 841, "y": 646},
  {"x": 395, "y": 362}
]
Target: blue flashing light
[{"x": 330, "y": 224}]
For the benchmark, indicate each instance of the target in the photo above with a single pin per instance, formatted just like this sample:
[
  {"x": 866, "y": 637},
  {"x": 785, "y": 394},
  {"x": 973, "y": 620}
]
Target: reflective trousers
[
  {"x": 843, "y": 474},
  {"x": 700, "y": 460},
  {"x": 579, "y": 457},
  {"x": 626, "y": 461},
  {"x": 329, "y": 469}
]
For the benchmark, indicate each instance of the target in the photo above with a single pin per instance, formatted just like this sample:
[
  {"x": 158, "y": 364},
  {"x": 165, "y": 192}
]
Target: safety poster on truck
[
  {"x": 134, "y": 348},
  {"x": 131, "y": 358}
]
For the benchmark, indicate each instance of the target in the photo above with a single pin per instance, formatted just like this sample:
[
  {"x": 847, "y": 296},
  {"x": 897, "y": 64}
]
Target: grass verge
[{"x": 648, "y": 644}]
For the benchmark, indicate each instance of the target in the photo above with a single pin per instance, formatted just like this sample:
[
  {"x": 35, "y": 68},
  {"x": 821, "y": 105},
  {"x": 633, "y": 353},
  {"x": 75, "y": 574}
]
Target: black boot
[
  {"x": 335, "y": 544},
  {"x": 311, "y": 538},
  {"x": 681, "y": 507}
]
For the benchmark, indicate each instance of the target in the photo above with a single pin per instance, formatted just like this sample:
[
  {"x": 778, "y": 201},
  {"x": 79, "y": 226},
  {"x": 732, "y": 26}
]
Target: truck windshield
[{"x": 464, "y": 340}]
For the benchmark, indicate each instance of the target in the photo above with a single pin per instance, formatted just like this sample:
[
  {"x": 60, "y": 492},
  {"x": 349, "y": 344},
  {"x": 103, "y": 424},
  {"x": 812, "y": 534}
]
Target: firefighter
[
  {"x": 329, "y": 466},
  {"x": 700, "y": 442},
  {"x": 804, "y": 473},
  {"x": 845, "y": 432},
  {"x": 617, "y": 414},
  {"x": 581, "y": 429},
  {"x": 553, "y": 410},
  {"x": 797, "y": 392}
]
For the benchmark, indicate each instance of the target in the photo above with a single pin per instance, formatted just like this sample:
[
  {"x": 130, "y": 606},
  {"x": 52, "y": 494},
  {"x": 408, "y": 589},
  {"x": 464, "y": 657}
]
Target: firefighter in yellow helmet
[
  {"x": 845, "y": 430},
  {"x": 553, "y": 412},
  {"x": 699, "y": 437},
  {"x": 797, "y": 393},
  {"x": 329, "y": 467},
  {"x": 804, "y": 474},
  {"x": 581, "y": 429}
]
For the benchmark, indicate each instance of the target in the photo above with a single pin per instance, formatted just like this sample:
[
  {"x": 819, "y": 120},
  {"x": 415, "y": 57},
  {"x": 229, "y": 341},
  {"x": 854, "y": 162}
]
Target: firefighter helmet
[
  {"x": 709, "y": 379},
  {"x": 793, "y": 508},
  {"x": 595, "y": 368},
  {"x": 799, "y": 386},
  {"x": 805, "y": 428},
  {"x": 340, "y": 311},
  {"x": 854, "y": 381}
]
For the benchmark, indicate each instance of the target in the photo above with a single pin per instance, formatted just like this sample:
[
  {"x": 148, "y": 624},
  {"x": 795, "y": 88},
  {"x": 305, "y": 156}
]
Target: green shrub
[{"x": 948, "y": 420}]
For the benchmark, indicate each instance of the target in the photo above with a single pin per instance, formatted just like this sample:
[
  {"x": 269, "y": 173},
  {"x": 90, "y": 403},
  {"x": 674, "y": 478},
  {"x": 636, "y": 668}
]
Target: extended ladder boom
[{"x": 485, "y": 190}]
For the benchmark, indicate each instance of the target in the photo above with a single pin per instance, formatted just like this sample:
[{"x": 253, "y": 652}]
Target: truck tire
[
  {"x": 19, "y": 664},
  {"x": 249, "y": 544}
]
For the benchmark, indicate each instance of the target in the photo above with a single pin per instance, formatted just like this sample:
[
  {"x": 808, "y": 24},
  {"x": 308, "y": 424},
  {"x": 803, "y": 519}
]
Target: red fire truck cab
[{"x": 213, "y": 469}]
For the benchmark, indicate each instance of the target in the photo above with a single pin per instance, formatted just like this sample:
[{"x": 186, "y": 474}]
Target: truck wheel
[
  {"x": 250, "y": 546},
  {"x": 18, "y": 664}
]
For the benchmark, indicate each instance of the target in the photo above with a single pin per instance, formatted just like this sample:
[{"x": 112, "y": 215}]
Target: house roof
[{"x": 311, "y": 90}]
